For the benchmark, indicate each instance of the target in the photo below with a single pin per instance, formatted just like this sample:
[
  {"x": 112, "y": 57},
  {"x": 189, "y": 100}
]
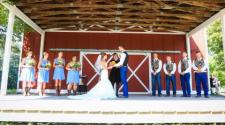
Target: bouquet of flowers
[
  {"x": 60, "y": 62},
  {"x": 72, "y": 64},
  {"x": 48, "y": 65},
  {"x": 112, "y": 63},
  {"x": 77, "y": 64},
  {"x": 31, "y": 62}
]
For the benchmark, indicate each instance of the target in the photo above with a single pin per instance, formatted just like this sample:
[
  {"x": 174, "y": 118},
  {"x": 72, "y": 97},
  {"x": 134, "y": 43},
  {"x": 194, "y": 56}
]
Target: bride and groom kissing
[{"x": 104, "y": 89}]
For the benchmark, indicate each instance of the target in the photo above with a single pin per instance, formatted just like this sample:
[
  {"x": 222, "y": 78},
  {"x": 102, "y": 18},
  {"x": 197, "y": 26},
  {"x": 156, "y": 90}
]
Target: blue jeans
[
  {"x": 168, "y": 80},
  {"x": 201, "y": 79},
  {"x": 185, "y": 84},
  {"x": 123, "y": 75},
  {"x": 156, "y": 79}
]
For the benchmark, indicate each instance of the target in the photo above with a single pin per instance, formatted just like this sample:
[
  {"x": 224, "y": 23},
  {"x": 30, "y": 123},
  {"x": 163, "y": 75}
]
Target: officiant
[{"x": 114, "y": 76}]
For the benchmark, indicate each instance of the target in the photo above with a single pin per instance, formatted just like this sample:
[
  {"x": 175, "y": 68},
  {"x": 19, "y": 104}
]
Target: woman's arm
[
  {"x": 68, "y": 67},
  {"x": 39, "y": 65}
]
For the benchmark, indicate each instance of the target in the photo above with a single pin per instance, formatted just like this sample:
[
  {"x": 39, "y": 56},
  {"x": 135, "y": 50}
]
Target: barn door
[{"x": 138, "y": 76}]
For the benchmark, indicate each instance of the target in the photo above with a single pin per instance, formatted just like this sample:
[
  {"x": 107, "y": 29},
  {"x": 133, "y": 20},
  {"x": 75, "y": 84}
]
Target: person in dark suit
[{"x": 114, "y": 76}]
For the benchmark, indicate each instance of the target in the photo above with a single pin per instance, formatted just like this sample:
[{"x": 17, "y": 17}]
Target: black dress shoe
[
  {"x": 124, "y": 97},
  {"x": 167, "y": 95},
  {"x": 188, "y": 95},
  {"x": 206, "y": 96}
]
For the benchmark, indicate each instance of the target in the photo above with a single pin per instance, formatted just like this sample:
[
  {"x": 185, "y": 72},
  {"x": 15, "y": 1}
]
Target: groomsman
[
  {"x": 156, "y": 76},
  {"x": 184, "y": 69},
  {"x": 199, "y": 67},
  {"x": 169, "y": 68}
]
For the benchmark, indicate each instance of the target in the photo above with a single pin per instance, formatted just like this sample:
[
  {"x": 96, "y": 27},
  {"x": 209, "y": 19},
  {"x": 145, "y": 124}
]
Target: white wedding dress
[{"x": 102, "y": 90}]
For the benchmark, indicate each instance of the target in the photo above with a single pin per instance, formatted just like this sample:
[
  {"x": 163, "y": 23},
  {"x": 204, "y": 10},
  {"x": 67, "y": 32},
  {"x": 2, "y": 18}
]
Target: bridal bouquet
[
  {"x": 31, "y": 62},
  {"x": 112, "y": 63}
]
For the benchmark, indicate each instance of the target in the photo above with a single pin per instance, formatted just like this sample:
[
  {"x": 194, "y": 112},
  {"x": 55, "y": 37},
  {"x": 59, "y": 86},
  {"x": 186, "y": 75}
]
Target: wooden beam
[
  {"x": 55, "y": 19},
  {"x": 40, "y": 14}
]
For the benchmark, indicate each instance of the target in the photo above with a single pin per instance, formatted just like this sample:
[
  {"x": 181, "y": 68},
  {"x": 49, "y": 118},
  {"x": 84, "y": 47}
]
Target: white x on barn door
[{"x": 133, "y": 71}]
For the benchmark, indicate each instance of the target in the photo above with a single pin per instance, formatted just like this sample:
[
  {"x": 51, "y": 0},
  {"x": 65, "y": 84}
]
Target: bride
[{"x": 103, "y": 89}]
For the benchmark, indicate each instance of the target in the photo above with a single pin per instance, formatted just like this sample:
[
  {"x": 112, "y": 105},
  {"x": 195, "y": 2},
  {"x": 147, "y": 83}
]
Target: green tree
[
  {"x": 19, "y": 29},
  {"x": 216, "y": 54}
]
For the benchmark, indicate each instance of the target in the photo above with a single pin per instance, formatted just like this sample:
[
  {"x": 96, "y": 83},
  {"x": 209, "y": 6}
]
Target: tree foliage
[
  {"x": 216, "y": 54},
  {"x": 19, "y": 29}
]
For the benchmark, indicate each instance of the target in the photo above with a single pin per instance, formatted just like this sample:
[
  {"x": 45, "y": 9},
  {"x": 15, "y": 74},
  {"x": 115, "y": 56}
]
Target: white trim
[
  {"x": 19, "y": 69},
  {"x": 23, "y": 17},
  {"x": 207, "y": 22},
  {"x": 133, "y": 73},
  {"x": 207, "y": 55},
  {"x": 58, "y": 30},
  {"x": 188, "y": 48},
  {"x": 42, "y": 44},
  {"x": 97, "y": 51},
  {"x": 149, "y": 72},
  {"x": 7, "y": 51},
  {"x": 88, "y": 52},
  {"x": 223, "y": 32}
]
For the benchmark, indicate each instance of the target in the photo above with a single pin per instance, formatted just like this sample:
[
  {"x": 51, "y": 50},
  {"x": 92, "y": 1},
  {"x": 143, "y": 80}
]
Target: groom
[{"x": 123, "y": 70}]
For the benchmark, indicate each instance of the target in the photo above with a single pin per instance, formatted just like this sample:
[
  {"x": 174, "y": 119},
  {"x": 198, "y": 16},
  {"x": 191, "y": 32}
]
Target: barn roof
[{"x": 120, "y": 15}]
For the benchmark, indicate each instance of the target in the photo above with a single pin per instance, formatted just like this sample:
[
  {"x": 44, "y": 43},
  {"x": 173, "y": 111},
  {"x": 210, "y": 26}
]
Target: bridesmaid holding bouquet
[
  {"x": 44, "y": 66},
  {"x": 27, "y": 73},
  {"x": 59, "y": 75},
  {"x": 73, "y": 77}
]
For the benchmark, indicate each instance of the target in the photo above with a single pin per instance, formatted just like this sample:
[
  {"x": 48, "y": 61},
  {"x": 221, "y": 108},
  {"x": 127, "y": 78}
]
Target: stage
[{"x": 135, "y": 109}]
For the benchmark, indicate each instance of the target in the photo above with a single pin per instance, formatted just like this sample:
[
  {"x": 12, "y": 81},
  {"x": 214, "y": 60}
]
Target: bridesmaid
[
  {"x": 27, "y": 73},
  {"x": 59, "y": 75},
  {"x": 44, "y": 66},
  {"x": 73, "y": 77}
]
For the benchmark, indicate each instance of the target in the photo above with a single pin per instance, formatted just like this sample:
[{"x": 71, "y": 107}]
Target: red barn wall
[
  {"x": 112, "y": 41},
  {"x": 31, "y": 42}
]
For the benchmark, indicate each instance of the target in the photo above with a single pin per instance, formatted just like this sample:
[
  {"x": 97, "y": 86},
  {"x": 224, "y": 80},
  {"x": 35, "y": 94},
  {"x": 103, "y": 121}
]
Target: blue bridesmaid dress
[
  {"x": 59, "y": 70},
  {"x": 27, "y": 73},
  {"x": 43, "y": 74},
  {"x": 73, "y": 77}
]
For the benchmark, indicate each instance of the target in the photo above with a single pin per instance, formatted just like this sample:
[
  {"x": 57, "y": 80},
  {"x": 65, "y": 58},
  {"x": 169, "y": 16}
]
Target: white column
[
  {"x": 223, "y": 32},
  {"x": 149, "y": 72},
  {"x": 207, "y": 54},
  {"x": 188, "y": 48},
  {"x": 42, "y": 45},
  {"x": 7, "y": 51}
]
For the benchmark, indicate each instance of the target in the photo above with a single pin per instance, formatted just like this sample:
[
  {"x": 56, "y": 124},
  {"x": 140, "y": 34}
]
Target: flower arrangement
[
  {"x": 31, "y": 62},
  {"x": 60, "y": 62},
  {"x": 77, "y": 64},
  {"x": 74, "y": 64},
  {"x": 112, "y": 63},
  {"x": 48, "y": 65}
]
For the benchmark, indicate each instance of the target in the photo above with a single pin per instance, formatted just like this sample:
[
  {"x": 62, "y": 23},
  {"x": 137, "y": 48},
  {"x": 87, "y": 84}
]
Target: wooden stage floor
[{"x": 135, "y": 109}]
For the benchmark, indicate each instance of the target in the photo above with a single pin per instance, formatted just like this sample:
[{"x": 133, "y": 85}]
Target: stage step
[
  {"x": 136, "y": 109},
  {"x": 112, "y": 112}
]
